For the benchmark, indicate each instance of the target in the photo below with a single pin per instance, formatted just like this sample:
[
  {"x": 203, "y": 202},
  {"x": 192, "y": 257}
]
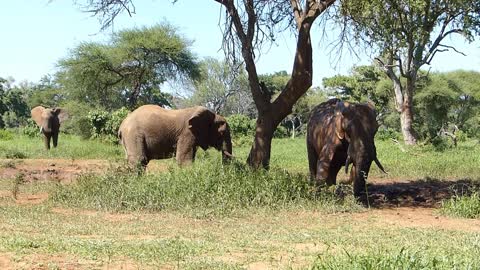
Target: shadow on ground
[{"x": 428, "y": 192}]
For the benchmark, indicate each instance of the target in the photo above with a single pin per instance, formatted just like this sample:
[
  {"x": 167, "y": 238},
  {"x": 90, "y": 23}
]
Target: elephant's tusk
[
  {"x": 379, "y": 165},
  {"x": 228, "y": 154}
]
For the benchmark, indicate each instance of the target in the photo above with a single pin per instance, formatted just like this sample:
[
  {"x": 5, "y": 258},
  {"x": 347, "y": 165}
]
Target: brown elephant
[
  {"x": 49, "y": 122},
  {"x": 152, "y": 132},
  {"x": 340, "y": 133}
]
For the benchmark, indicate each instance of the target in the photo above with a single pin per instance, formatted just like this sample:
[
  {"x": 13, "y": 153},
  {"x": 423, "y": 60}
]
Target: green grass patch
[
  {"x": 465, "y": 206},
  {"x": 69, "y": 147},
  {"x": 396, "y": 259},
  {"x": 206, "y": 187}
]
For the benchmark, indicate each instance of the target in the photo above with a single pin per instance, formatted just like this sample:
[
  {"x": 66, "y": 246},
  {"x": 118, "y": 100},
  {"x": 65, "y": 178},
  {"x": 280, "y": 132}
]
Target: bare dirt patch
[
  {"x": 60, "y": 170},
  {"x": 424, "y": 193}
]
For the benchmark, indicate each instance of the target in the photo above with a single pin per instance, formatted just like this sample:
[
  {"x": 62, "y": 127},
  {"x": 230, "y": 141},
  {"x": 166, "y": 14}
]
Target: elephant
[
  {"x": 152, "y": 132},
  {"x": 339, "y": 134},
  {"x": 49, "y": 122}
]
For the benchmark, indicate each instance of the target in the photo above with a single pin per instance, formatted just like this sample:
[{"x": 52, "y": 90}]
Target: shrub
[
  {"x": 5, "y": 135},
  {"x": 241, "y": 125},
  {"x": 104, "y": 124},
  {"x": 441, "y": 143},
  {"x": 31, "y": 129},
  {"x": 385, "y": 134}
]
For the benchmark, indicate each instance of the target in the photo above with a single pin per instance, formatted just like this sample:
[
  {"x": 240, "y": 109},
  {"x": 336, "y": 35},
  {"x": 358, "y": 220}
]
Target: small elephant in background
[
  {"x": 152, "y": 132},
  {"x": 339, "y": 134},
  {"x": 49, "y": 122}
]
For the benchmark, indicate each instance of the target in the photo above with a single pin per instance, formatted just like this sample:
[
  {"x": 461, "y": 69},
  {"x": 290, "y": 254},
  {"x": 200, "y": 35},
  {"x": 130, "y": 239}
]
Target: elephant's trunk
[{"x": 227, "y": 153}]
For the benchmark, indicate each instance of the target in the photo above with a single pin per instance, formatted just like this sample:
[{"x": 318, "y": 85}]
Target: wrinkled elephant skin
[
  {"x": 152, "y": 132},
  {"x": 339, "y": 134}
]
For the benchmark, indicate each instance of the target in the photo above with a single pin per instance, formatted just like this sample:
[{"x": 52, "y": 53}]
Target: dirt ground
[{"x": 392, "y": 201}]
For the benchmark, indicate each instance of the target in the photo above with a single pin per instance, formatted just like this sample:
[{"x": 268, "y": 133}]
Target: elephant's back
[{"x": 321, "y": 124}]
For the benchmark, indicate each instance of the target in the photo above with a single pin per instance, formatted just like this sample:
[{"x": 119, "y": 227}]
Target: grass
[
  {"x": 206, "y": 187},
  {"x": 465, "y": 206},
  {"x": 69, "y": 147},
  {"x": 210, "y": 216}
]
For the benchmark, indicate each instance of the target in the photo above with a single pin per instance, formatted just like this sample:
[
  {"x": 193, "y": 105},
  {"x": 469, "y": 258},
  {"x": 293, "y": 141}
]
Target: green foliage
[
  {"x": 223, "y": 89},
  {"x": 129, "y": 69},
  {"x": 31, "y": 129},
  {"x": 6, "y": 135},
  {"x": 104, "y": 124},
  {"x": 465, "y": 206},
  {"x": 206, "y": 187},
  {"x": 241, "y": 125},
  {"x": 386, "y": 134}
]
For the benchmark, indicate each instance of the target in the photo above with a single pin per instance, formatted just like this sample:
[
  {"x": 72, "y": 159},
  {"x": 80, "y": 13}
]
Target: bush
[
  {"x": 241, "y": 125},
  {"x": 441, "y": 143},
  {"x": 105, "y": 124},
  {"x": 385, "y": 134},
  {"x": 10, "y": 119},
  {"x": 6, "y": 135},
  {"x": 31, "y": 129}
]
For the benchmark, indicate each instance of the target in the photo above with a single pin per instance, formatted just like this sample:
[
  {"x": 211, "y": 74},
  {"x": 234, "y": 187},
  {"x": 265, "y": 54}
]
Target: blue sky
[{"x": 35, "y": 34}]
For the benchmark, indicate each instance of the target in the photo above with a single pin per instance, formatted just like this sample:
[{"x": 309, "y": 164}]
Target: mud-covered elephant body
[
  {"x": 152, "y": 132},
  {"x": 49, "y": 122},
  {"x": 338, "y": 134}
]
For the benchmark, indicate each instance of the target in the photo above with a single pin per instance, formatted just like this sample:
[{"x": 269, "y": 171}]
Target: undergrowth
[
  {"x": 465, "y": 206},
  {"x": 205, "y": 188}
]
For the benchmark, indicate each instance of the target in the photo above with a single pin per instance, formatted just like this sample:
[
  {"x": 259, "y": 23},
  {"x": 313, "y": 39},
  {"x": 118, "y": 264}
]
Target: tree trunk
[
  {"x": 406, "y": 114},
  {"x": 406, "y": 120},
  {"x": 270, "y": 116},
  {"x": 259, "y": 156}
]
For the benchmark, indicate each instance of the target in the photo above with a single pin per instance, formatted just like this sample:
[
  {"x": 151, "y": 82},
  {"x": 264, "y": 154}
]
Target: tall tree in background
[
  {"x": 222, "y": 88},
  {"x": 129, "y": 69},
  {"x": 247, "y": 25},
  {"x": 406, "y": 35}
]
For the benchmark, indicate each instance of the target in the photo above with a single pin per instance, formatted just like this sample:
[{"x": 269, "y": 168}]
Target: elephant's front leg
[
  {"x": 322, "y": 171},
  {"x": 186, "y": 150},
  {"x": 46, "y": 139},
  {"x": 55, "y": 139}
]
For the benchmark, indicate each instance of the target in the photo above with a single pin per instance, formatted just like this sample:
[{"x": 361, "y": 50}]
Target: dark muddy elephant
[
  {"x": 49, "y": 122},
  {"x": 338, "y": 134},
  {"x": 152, "y": 132}
]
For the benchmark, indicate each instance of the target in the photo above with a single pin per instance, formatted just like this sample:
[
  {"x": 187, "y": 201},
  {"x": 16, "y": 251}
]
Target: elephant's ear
[
  {"x": 201, "y": 120},
  {"x": 342, "y": 115},
  {"x": 37, "y": 114},
  {"x": 61, "y": 113}
]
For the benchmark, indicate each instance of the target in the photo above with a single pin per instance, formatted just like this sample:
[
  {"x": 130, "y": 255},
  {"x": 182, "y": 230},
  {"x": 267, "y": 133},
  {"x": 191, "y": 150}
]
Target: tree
[
  {"x": 129, "y": 70},
  {"x": 448, "y": 99},
  {"x": 222, "y": 88},
  {"x": 247, "y": 25},
  {"x": 13, "y": 107},
  {"x": 406, "y": 35}
]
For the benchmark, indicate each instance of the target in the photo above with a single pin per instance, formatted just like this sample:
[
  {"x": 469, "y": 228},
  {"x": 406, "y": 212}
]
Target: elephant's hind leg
[
  {"x": 312, "y": 161},
  {"x": 136, "y": 152}
]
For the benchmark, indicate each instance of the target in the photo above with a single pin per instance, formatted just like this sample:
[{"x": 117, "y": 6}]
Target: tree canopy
[
  {"x": 129, "y": 70},
  {"x": 406, "y": 35}
]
